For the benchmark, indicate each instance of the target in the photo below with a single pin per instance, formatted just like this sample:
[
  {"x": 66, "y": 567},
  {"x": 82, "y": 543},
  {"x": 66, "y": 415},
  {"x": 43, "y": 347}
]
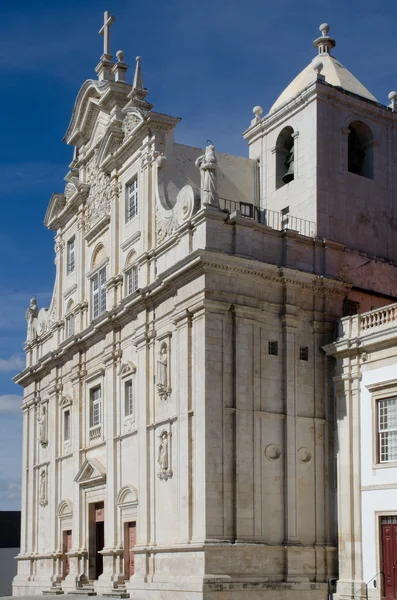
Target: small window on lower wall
[
  {"x": 303, "y": 353},
  {"x": 66, "y": 426},
  {"x": 128, "y": 398},
  {"x": 387, "y": 430},
  {"x": 273, "y": 348}
]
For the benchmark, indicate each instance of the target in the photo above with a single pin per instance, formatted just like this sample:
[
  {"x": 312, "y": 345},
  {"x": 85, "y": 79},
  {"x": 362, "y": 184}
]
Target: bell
[{"x": 289, "y": 175}]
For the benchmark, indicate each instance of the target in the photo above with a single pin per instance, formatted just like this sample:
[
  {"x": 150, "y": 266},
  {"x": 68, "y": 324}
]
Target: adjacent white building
[
  {"x": 366, "y": 391},
  {"x": 179, "y": 420}
]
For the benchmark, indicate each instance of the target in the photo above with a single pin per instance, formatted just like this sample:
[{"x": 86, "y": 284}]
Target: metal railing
[
  {"x": 271, "y": 218},
  {"x": 366, "y": 585}
]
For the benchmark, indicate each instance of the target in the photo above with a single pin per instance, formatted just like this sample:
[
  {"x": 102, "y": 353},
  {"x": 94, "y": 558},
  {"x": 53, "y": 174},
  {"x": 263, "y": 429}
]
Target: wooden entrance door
[
  {"x": 99, "y": 537},
  {"x": 389, "y": 559},
  {"x": 96, "y": 539},
  {"x": 129, "y": 543},
  {"x": 67, "y": 546}
]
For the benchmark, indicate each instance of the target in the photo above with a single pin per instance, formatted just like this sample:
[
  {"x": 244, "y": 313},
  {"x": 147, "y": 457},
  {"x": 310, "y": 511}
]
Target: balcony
[
  {"x": 95, "y": 432},
  {"x": 271, "y": 218}
]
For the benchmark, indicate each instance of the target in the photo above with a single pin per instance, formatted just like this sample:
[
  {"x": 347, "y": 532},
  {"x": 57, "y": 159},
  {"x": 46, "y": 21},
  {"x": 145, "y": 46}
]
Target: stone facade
[{"x": 178, "y": 407}]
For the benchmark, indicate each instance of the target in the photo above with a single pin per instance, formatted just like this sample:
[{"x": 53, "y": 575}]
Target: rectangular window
[
  {"x": 128, "y": 398},
  {"x": 70, "y": 325},
  {"x": 273, "y": 348},
  {"x": 131, "y": 200},
  {"x": 303, "y": 353},
  {"x": 387, "y": 430},
  {"x": 66, "y": 426},
  {"x": 132, "y": 280},
  {"x": 350, "y": 308},
  {"x": 70, "y": 255},
  {"x": 98, "y": 293},
  {"x": 95, "y": 406}
]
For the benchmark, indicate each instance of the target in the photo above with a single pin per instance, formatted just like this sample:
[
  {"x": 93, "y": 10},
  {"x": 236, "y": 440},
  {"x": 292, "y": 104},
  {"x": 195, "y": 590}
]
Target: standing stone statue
[
  {"x": 163, "y": 452},
  {"x": 43, "y": 488},
  {"x": 162, "y": 373},
  {"x": 207, "y": 164},
  {"x": 31, "y": 316},
  {"x": 42, "y": 419}
]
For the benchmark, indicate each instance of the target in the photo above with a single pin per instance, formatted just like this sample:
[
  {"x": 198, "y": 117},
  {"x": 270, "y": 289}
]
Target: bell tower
[{"x": 327, "y": 156}]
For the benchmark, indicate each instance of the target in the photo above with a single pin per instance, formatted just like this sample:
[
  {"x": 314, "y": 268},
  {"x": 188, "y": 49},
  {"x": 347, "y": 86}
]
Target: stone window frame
[
  {"x": 71, "y": 255},
  {"x": 381, "y": 390},
  {"x": 128, "y": 218},
  {"x": 65, "y": 404},
  {"x": 127, "y": 372},
  {"x": 94, "y": 380}
]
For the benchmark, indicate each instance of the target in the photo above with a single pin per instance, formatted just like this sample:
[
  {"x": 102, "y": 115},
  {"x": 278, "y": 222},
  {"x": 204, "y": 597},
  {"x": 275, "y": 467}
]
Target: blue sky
[{"x": 209, "y": 62}]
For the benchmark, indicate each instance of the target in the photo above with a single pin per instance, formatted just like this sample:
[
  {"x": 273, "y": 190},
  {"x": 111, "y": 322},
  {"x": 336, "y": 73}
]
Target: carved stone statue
[
  {"x": 163, "y": 461},
  {"x": 163, "y": 387},
  {"x": 31, "y": 316},
  {"x": 163, "y": 451},
  {"x": 43, "y": 488},
  {"x": 207, "y": 164},
  {"x": 42, "y": 420}
]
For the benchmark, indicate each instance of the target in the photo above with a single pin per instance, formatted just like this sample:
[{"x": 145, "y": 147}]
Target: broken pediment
[
  {"x": 55, "y": 207},
  {"x": 127, "y": 368},
  {"x": 91, "y": 472}
]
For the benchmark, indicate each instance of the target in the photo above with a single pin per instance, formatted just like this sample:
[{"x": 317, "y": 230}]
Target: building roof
[{"x": 333, "y": 71}]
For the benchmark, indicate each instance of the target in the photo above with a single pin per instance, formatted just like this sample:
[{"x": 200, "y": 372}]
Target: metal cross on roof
[{"x": 105, "y": 31}]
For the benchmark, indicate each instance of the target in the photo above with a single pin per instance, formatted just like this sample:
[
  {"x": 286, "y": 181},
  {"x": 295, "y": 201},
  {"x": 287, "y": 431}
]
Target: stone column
[
  {"x": 76, "y": 572},
  {"x": 183, "y": 389},
  {"x": 111, "y": 574},
  {"x": 347, "y": 387},
  {"x": 142, "y": 406}
]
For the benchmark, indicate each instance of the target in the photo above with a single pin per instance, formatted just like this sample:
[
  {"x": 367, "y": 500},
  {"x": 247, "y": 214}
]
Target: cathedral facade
[{"x": 179, "y": 422}]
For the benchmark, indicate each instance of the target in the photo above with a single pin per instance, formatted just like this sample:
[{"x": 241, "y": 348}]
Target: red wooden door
[
  {"x": 67, "y": 546},
  {"x": 131, "y": 541},
  {"x": 389, "y": 560}
]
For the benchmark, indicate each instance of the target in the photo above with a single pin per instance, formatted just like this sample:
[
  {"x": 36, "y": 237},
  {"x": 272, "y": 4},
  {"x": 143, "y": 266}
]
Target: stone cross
[{"x": 105, "y": 31}]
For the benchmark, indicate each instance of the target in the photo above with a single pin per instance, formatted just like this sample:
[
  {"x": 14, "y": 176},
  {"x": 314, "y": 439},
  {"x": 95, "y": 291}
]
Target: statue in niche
[
  {"x": 164, "y": 473},
  {"x": 207, "y": 163},
  {"x": 163, "y": 387},
  {"x": 289, "y": 163},
  {"x": 43, "y": 488},
  {"x": 42, "y": 420},
  {"x": 31, "y": 316}
]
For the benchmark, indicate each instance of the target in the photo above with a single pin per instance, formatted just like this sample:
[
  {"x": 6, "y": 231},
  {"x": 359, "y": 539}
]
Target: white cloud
[
  {"x": 10, "y": 403},
  {"x": 14, "y": 363}
]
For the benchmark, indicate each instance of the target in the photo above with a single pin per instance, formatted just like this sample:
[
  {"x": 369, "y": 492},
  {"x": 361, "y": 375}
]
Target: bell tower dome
[{"x": 327, "y": 158}]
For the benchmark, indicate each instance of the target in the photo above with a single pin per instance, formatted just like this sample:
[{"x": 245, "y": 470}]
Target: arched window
[
  {"x": 285, "y": 157},
  {"x": 360, "y": 150}
]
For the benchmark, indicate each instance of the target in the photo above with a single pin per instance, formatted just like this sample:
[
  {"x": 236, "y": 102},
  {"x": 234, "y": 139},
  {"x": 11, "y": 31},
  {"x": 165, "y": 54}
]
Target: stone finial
[
  {"x": 138, "y": 79},
  {"x": 318, "y": 67},
  {"x": 324, "y": 43},
  {"x": 120, "y": 68},
  {"x": 257, "y": 110},
  {"x": 393, "y": 97}
]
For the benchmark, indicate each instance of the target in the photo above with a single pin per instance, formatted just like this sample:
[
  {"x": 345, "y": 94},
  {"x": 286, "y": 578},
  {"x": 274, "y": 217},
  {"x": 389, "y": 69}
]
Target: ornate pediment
[
  {"x": 55, "y": 207},
  {"x": 131, "y": 122},
  {"x": 65, "y": 400},
  {"x": 127, "y": 368},
  {"x": 110, "y": 142},
  {"x": 91, "y": 472}
]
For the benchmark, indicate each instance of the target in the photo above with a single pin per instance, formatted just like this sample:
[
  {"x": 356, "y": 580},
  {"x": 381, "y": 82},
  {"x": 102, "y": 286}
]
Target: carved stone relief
[{"x": 99, "y": 196}]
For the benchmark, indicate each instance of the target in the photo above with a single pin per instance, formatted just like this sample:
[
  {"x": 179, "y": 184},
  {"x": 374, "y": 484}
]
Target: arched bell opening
[
  {"x": 360, "y": 150},
  {"x": 285, "y": 157}
]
